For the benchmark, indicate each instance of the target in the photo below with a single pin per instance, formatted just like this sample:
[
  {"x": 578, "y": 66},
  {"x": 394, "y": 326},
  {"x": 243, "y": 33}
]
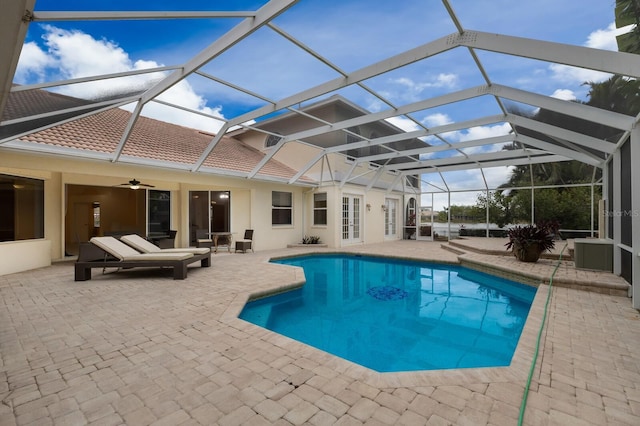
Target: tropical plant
[
  {"x": 528, "y": 242},
  {"x": 311, "y": 239},
  {"x": 628, "y": 13}
]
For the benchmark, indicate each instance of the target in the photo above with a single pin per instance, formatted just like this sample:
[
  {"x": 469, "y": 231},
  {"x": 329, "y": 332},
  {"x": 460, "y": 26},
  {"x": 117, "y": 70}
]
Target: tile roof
[
  {"x": 152, "y": 139},
  {"x": 32, "y": 102},
  {"x": 33, "y": 106}
]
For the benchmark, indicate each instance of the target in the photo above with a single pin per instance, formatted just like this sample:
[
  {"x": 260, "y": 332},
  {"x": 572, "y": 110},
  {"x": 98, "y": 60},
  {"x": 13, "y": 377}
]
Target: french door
[
  {"x": 390, "y": 218},
  {"x": 351, "y": 219}
]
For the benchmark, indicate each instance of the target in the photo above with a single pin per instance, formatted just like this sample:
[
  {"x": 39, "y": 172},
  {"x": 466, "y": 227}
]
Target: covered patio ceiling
[{"x": 479, "y": 56}]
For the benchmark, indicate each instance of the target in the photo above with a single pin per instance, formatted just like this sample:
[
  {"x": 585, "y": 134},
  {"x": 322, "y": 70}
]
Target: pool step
[
  {"x": 452, "y": 249},
  {"x": 460, "y": 245}
]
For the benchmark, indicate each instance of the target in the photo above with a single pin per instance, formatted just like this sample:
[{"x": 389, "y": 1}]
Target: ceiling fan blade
[{"x": 135, "y": 184}]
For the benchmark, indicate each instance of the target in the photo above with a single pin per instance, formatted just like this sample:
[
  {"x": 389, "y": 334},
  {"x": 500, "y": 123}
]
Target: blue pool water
[{"x": 396, "y": 315}]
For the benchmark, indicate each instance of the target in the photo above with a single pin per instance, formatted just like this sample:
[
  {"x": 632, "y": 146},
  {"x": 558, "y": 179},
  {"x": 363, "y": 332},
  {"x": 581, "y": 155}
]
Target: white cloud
[
  {"x": 184, "y": 95},
  {"x": 411, "y": 90},
  {"x": 482, "y": 132},
  {"x": 74, "y": 54},
  {"x": 80, "y": 55},
  {"x": 564, "y": 94},
  {"x": 479, "y": 132},
  {"x": 408, "y": 125},
  {"x": 572, "y": 75},
  {"x": 437, "y": 119},
  {"x": 403, "y": 123},
  {"x": 599, "y": 39},
  {"x": 496, "y": 176},
  {"x": 33, "y": 62},
  {"x": 606, "y": 39}
]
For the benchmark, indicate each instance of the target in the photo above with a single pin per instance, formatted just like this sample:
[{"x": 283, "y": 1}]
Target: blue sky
[{"x": 350, "y": 33}]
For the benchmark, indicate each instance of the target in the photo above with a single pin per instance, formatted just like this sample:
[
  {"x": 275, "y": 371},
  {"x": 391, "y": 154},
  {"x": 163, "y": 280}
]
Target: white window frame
[
  {"x": 315, "y": 209},
  {"x": 290, "y": 207}
]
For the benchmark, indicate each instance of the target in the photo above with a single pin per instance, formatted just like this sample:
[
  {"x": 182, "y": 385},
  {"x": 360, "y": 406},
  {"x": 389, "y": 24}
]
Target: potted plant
[{"x": 528, "y": 242}]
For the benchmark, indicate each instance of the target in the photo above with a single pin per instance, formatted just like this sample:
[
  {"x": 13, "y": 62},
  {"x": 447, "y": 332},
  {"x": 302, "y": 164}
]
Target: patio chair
[
  {"x": 145, "y": 246},
  {"x": 203, "y": 239},
  {"x": 108, "y": 252},
  {"x": 167, "y": 243},
  {"x": 245, "y": 243}
]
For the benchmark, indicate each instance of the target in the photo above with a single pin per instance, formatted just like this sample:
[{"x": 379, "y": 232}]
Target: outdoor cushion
[
  {"x": 122, "y": 251},
  {"x": 144, "y": 246},
  {"x": 159, "y": 256}
]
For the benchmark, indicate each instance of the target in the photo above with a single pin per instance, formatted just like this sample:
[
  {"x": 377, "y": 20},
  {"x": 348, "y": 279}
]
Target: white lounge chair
[
  {"x": 107, "y": 252},
  {"x": 144, "y": 246}
]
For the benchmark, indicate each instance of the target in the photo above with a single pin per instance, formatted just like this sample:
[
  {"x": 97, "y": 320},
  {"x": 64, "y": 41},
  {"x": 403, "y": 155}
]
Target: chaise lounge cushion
[
  {"x": 144, "y": 246},
  {"x": 123, "y": 252},
  {"x": 108, "y": 252}
]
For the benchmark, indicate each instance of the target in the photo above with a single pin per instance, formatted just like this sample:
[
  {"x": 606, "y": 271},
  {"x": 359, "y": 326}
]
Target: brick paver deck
[{"x": 139, "y": 348}]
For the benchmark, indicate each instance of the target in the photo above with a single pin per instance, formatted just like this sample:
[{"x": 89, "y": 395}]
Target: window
[
  {"x": 281, "y": 208},
  {"x": 159, "y": 218},
  {"x": 21, "y": 208},
  {"x": 352, "y": 135},
  {"x": 272, "y": 140},
  {"x": 320, "y": 208}
]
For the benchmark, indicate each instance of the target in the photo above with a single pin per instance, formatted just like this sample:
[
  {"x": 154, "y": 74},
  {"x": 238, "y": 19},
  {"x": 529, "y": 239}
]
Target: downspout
[
  {"x": 533, "y": 196},
  {"x": 304, "y": 210},
  {"x": 448, "y": 215},
  {"x": 593, "y": 200}
]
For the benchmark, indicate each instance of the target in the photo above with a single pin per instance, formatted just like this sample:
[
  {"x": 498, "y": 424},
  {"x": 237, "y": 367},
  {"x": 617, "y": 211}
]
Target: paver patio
[{"x": 138, "y": 348}]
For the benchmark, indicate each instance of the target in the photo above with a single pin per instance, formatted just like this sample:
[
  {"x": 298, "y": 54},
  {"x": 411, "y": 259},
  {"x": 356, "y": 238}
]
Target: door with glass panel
[
  {"x": 351, "y": 219},
  {"x": 209, "y": 211},
  {"x": 390, "y": 218}
]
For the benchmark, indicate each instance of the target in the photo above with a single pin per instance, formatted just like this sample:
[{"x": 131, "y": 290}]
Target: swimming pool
[{"x": 398, "y": 315}]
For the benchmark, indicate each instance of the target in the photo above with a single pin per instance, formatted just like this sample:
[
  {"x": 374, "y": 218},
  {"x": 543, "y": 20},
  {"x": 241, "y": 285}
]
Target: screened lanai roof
[{"x": 462, "y": 77}]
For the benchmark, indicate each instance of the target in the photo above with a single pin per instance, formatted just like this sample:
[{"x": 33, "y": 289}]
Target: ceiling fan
[{"x": 136, "y": 184}]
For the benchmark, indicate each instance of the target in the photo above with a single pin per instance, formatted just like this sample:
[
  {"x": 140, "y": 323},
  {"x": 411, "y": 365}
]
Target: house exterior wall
[
  {"x": 24, "y": 255},
  {"x": 250, "y": 204},
  {"x": 372, "y": 215},
  {"x": 297, "y": 155}
]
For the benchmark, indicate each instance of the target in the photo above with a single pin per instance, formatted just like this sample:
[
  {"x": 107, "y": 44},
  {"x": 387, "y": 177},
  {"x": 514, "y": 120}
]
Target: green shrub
[{"x": 311, "y": 239}]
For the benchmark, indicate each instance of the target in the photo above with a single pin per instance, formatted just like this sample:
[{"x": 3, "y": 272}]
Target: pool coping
[{"x": 517, "y": 370}]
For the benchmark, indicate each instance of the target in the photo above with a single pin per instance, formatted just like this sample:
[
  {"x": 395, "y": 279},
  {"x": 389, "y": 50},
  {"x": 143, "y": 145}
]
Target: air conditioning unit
[{"x": 594, "y": 254}]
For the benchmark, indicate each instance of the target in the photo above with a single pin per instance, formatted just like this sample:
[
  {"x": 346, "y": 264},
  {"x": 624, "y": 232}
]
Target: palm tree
[
  {"x": 627, "y": 13},
  {"x": 619, "y": 94}
]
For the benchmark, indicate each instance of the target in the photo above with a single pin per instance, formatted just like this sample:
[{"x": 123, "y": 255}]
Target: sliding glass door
[{"x": 209, "y": 211}]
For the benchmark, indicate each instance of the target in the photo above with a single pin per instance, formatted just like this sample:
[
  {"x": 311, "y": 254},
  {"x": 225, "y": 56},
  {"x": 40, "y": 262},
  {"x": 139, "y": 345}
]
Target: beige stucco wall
[
  {"x": 297, "y": 155},
  {"x": 372, "y": 217},
  {"x": 25, "y": 255},
  {"x": 250, "y": 209},
  {"x": 10, "y": 255},
  {"x": 250, "y": 199},
  {"x": 250, "y": 203}
]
